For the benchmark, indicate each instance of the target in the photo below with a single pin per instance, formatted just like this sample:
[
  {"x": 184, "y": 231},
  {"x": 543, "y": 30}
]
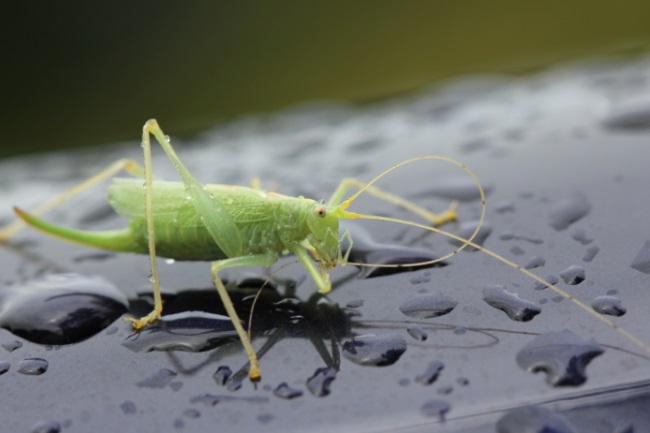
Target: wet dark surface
[{"x": 539, "y": 141}]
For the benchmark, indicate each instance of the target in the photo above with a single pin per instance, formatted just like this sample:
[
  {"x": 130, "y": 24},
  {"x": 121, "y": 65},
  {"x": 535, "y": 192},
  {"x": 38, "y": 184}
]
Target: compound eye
[{"x": 320, "y": 211}]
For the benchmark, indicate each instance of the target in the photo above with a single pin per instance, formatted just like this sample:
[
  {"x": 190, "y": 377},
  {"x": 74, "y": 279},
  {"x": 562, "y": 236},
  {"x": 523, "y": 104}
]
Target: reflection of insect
[{"x": 237, "y": 226}]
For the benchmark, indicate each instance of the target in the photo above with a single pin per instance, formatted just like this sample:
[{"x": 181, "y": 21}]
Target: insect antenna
[{"x": 470, "y": 242}]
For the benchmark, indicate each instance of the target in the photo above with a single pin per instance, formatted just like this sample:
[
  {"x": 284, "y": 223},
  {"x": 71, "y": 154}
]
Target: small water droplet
[
  {"x": 462, "y": 381},
  {"x": 179, "y": 423},
  {"x": 319, "y": 383},
  {"x": 608, "y": 305},
  {"x": 373, "y": 350},
  {"x": 265, "y": 418},
  {"x": 417, "y": 333},
  {"x": 283, "y": 390},
  {"x": 191, "y": 413},
  {"x": 170, "y": 261},
  {"x": 46, "y": 427},
  {"x": 563, "y": 356},
  {"x": 459, "y": 330},
  {"x": 466, "y": 229},
  {"x": 509, "y": 236},
  {"x": 516, "y": 308},
  {"x": 431, "y": 374},
  {"x": 159, "y": 379},
  {"x": 168, "y": 139},
  {"x": 222, "y": 375},
  {"x": 456, "y": 188},
  {"x": 356, "y": 303},
  {"x": 428, "y": 305},
  {"x": 128, "y": 407},
  {"x": 446, "y": 390},
  {"x": 533, "y": 419},
  {"x": 551, "y": 279},
  {"x": 633, "y": 113},
  {"x": 590, "y": 253},
  {"x": 535, "y": 262},
  {"x": 213, "y": 400},
  {"x": 10, "y": 346},
  {"x": 573, "y": 275},
  {"x": 33, "y": 366},
  {"x": 504, "y": 206},
  {"x": 517, "y": 251},
  {"x": 569, "y": 210},
  {"x": 642, "y": 260},
  {"x": 4, "y": 367},
  {"x": 581, "y": 236},
  {"x": 436, "y": 408}
]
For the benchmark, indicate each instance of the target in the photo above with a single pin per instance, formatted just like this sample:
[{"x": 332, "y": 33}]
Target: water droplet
[
  {"x": 170, "y": 261},
  {"x": 192, "y": 331},
  {"x": 456, "y": 188},
  {"x": 517, "y": 251},
  {"x": 356, "y": 303},
  {"x": 191, "y": 413},
  {"x": 608, "y": 305},
  {"x": 509, "y": 236},
  {"x": 535, "y": 262},
  {"x": 404, "y": 382},
  {"x": 168, "y": 139},
  {"x": 60, "y": 308},
  {"x": 568, "y": 210},
  {"x": 581, "y": 236},
  {"x": 590, "y": 253},
  {"x": 504, "y": 206},
  {"x": 4, "y": 367},
  {"x": 436, "y": 408},
  {"x": 462, "y": 381},
  {"x": 366, "y": 250},
  {"x": 563, "y": 356},
  {"x": 459, "y": 330},
  {"x": 573, "y": 275},
  {"x": 533, "y": 419},
  {"x": 128, "y": 407},
  {"x": 10, "y": 346},
  {"x": 222, "y": 375},
  {"x": 446, "y": 390},
  {"x": 551, "y": 279},
  {"x": 265, "y": 418},
  {"x": 431, "y": 374},
  {"x": 417, "y": 333},
  {"x": 46, "y": 427},
  {"x": 428, "y": 305},
  {"x": 175, "y": 386},
  {"x": 159, "y": 379},
  {"x": 466, "y": 229},
  {"x": 319, "y": 383},
  {"x": 633, "y": 113},
  {"x": 370, "y": 349},
  {"x": 642, "y": 260},
  {"x": 213, "y": 400},
  {"x": 516, "y": 308},
  {"x": 33, "y": 366},
  {"x": 420, "y": 277},
  {"x": 283, "y": 390}
]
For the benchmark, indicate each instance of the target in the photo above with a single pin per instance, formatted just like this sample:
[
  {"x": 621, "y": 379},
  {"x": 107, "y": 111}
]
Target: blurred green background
[{"x": 82, "y": 73}]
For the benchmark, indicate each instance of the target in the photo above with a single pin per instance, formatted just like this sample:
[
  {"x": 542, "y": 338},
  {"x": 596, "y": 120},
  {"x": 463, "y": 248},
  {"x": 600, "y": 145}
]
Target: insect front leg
[
  {"x": 254, "y": 372},
  {"x": 318, "y": 274},
  {"x": 127, "y": 165},
  {"x": 437, "y": 219}
]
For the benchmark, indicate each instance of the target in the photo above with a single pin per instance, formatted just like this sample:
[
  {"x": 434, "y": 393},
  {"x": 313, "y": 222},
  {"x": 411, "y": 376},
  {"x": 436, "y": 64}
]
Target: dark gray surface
[{"x": 535, "y": 141}]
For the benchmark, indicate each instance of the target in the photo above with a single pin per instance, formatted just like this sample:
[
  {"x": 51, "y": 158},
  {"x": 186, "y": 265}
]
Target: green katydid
[{"x": 238, "y": 226}]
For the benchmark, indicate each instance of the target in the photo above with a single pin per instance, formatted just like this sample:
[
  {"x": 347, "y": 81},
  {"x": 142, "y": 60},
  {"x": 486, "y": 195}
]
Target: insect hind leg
[{"x": 127, "y": 165}]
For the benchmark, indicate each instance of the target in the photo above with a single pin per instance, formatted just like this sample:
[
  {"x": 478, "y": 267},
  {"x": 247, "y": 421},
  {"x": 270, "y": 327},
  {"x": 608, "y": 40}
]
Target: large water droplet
[
  {"x": 370, "y": 349},
  {"x": 608, "y": 305},
  {"x": 568, "y": 210},
  {"x": 563, "y": 356},
  {"x": 192, "y": 331},
  {"x": 428, "y": 305},
  {"x": 573, "y": 275},
  {"x": 533, "y": 419},
  {"x": 33, "y": 366},
  {"x": 431, "y": 374},
  {"x": 366, "y": 250},
  {"x": 61, "y": 308},
  {"x": 642, "y": 260},
  {"x": 319, "y": 383},
  {"x": 516, "y": 308}
]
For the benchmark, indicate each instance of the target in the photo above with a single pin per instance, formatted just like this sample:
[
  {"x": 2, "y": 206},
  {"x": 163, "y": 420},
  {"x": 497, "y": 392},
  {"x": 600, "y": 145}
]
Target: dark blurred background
[{"x": 82, "y": 73}]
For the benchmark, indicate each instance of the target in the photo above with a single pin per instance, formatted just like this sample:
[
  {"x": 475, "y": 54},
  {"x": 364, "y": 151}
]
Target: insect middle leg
[
  {"x": 127, "y": 165},
  {"x": 437, "y": 219}
]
